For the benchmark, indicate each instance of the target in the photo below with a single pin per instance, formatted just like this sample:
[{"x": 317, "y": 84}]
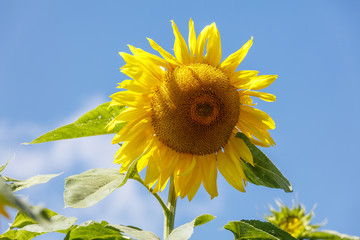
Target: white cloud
[{"x": 129, "y": 205}]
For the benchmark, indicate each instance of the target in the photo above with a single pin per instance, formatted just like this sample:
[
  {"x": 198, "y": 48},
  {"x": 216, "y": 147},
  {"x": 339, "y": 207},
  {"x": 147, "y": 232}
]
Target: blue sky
[{"x": 60, "y": 59}]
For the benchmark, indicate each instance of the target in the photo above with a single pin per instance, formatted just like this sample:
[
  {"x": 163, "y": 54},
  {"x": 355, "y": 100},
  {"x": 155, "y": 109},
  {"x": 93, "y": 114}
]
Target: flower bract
[{"x": 184, "y": 111}]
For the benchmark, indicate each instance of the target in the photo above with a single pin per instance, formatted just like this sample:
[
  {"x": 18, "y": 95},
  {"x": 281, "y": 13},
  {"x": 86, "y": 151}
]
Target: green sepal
[
  {"x": 185, "y": 231},
  {"x": 255, "y": 229},
  {"x": 264, "y": 172},
  {"x": 92, "y": 123},
  {"x": 327, "y": 234},
  {"x": 92, "y": 230}
]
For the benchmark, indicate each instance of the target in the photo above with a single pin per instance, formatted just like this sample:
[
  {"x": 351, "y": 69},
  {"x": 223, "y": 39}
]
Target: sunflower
[
  {"x": 295, "y": 221},
  {"x": 184, "y": 111}
]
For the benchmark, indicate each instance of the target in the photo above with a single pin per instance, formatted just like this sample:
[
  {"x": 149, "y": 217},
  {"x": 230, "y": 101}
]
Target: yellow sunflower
[{"x": 183, "y": 113}]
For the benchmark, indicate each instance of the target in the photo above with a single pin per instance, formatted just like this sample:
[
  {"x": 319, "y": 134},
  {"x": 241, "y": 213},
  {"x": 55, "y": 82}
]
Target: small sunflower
[
  {"x": 295, "y": 221},
  {"x": 183, "y": 113}
]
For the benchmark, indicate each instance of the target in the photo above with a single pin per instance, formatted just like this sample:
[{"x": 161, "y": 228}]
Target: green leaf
[
  {"x": 327, "y": 234},
  {"x": 22, "y": 219},
  {"x": 136, "y": 233},
  {"x": 88, "y": 188},
  {"x": 91, "y": 123},
  {"x": 7, "y": 198},
  {"x": 27, "y": 228},
  {"x": 185, "y": 231},
  {"x": 18, "y": 235},
  {"x": 18, "y": 185},
  {"x": 264, "y": 173},
  {"x": 254, "y": 229},
  {"x": 92, "y": 230},
  {"x": 58, "y": 223}
]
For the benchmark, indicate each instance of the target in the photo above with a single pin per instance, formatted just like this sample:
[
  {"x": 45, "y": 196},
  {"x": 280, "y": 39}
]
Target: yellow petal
[
  {"x": 257, "y": 117},
  {"x": 230, "y": 64},
  {"x": 207, "y": 163},
  {"x": 168, "y": 57},
  {"x": 231, "y": 169},
  {"x": 262, "y": 95},
  {"x": 131, "y": 150},
  {"x": 144, "y": 65},
  {"x": 192, "y": 39},
  {"x": 258, "y": 82},
  {"x": 213, "y": 48},
  {"x": 131, "y": 99},
  {"x": 242, "y": 149},
  {"x": 153, "y": 59},
  {"x": 242, "y": 77},
  {"x": 180, "y": 48},
  {"x": 194, "y": 184},
  {"x": 261, "y": 134},
  {"x": 134, "y": 86},
  {"x": 152, "y": 172},
  {"x": 200, "y": 44}
]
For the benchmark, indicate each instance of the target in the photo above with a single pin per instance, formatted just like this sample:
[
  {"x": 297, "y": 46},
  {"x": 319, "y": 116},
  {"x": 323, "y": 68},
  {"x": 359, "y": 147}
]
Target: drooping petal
[
  {"x": 180, "y": 48},
  {"x": 231, "y": 168},
  {"x": 207, "y": 163},
  {"x": 242, "y": 149},
  {"x": 230, "y": 64},
  {"x": 260, "y": 133},
  {"x": 152, "y": 172},
  {"x": 194, "y": 184},
  {"x": 257, "y": 117}
]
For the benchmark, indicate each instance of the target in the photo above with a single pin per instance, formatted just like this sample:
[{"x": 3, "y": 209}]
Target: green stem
[
  {"x": 165, "y": 209},
  {"x": 171, "y": 206}
]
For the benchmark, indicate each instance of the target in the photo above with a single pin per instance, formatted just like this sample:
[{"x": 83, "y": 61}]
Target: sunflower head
[
  {"x": 295, "y": 221},
  {"x": 184, "y": 110}
]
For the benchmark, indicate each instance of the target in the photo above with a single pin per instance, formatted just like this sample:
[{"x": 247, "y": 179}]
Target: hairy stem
[
  {"x": 165, "y": 209},
  {"x": 171, "y": 206}
]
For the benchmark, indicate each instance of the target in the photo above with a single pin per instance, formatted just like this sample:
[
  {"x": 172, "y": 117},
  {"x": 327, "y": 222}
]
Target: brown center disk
[{"x": 195, "y": 109}]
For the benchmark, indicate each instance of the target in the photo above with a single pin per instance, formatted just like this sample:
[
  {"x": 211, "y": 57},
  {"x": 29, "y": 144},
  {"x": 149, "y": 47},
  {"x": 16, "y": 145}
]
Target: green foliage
[
  {"x": 136, "y": 233},
  {"x": 185, "y": 231},
  {"x": 254, "y": 229},
  {"x": 88, "y": 188},
  {"x": 92, "y": 230},
  {"x": 7, "y": 198},
  {"x": 264, "y": 172},
  {"x": 92, "y": 123},
  {"x": 327, "y": 234},
  {"x": 26, "y": 228},
  {"x": 17, "y": 185},
  {"x": 22, "y": 219}
]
